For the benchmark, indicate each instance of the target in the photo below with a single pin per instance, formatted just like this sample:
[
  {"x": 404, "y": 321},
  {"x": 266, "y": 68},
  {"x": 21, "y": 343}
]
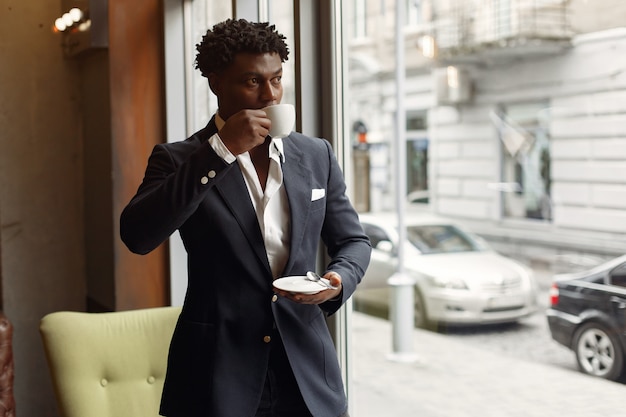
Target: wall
[
  {"x": 75, "y": 135},
  {"x": 137, "y": 124},
  {"x": 41, "y": 181}
]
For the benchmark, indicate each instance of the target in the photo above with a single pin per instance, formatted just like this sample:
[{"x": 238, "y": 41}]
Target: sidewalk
[{"x": 453, "y": 380}]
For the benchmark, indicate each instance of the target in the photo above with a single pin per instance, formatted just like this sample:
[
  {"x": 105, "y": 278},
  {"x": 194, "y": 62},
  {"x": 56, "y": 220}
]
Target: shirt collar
[{"x": 276, "y": 146}]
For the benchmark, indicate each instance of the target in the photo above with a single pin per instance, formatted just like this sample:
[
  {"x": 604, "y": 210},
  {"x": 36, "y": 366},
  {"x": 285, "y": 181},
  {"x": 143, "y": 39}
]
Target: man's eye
[
  {"x": 252, "y": 82},
  {"x": 276, "y": 80}
]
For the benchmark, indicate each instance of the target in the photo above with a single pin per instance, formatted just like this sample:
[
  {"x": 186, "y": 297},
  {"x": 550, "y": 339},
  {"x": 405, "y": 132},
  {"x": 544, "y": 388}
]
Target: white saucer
[{"x": 298, "y": 283}]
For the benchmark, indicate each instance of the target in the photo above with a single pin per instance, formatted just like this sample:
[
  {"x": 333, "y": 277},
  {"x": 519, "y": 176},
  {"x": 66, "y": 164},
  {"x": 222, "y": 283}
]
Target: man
[{"x": 250, "y": 209}]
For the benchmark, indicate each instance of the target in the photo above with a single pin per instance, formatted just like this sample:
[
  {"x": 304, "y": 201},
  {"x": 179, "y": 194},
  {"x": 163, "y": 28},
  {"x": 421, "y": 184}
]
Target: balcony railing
[{"x": 468, "y": 27}]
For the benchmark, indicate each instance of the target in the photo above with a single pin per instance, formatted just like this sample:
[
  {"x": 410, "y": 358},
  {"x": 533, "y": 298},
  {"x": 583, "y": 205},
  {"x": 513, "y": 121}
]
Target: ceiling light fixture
[
  {"x": 74, "y": 19},
  {"x": 83, "y": 27}
]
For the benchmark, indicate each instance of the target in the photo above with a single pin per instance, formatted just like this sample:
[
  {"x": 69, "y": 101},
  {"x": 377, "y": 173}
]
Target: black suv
[{"x": 588, "y": 315}]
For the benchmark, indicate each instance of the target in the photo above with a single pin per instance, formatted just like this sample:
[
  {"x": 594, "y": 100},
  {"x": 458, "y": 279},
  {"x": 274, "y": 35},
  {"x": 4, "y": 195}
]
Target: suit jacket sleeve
[
  {"x": 175, "y": 183},
  {"x": 348, "y": 247}
]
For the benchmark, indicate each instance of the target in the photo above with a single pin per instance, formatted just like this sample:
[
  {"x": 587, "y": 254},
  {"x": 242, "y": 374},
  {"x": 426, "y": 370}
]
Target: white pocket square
[{"x": 317, "y": 193}]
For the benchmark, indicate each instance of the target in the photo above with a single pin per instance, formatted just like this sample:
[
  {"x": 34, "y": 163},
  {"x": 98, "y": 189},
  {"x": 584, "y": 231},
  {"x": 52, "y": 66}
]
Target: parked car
[
  {"x": 459, "y": 279},
  {"x": 587, "y": 314},
  {"x": 418, "y": 197}
]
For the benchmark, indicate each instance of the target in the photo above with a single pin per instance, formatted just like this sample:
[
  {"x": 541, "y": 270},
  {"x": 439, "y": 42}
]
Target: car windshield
[{"x": 430, "y": 239}]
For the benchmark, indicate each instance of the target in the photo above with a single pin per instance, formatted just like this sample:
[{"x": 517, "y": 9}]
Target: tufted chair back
[
  {"x": 7, "y": 400},
  {"x": 108, "y": 364}
]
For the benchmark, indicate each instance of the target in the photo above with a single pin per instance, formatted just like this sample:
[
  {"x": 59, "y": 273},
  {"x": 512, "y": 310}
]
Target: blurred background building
[{"x": 515, "y": 119}]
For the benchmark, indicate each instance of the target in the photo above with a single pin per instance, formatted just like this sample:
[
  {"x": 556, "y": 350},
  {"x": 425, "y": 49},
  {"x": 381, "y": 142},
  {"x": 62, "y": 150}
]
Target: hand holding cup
[{"x": 283, "y": 118}]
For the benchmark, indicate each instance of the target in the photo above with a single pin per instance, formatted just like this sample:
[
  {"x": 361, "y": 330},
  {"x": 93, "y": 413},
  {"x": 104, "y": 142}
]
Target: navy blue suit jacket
[{"x": 218, "y": 357}]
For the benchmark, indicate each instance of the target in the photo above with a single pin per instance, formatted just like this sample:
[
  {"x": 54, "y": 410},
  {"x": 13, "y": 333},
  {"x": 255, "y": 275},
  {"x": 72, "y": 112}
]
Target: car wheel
[
  {"x": 598, "y": 351},
  {"x": 421, "y": 316}
]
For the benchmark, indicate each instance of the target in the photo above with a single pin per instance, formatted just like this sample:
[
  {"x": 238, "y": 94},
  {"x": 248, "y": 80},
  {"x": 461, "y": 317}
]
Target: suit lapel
[
  {"x": 297, "y": 182},
  {"x": 235, "y": 193}
]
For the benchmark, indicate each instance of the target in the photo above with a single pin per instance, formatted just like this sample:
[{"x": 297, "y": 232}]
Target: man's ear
[{"x": 214, "y": 83}]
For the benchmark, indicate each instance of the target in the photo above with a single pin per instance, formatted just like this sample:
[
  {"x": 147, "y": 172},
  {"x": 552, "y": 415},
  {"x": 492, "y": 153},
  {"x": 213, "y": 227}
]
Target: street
[
  {"x": 450, "y": 377},
  {"x": 529, "y": 339}
]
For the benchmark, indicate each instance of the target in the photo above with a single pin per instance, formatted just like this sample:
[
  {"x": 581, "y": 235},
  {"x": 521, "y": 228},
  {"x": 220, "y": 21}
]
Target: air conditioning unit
[{"x": 452, "y": 85}]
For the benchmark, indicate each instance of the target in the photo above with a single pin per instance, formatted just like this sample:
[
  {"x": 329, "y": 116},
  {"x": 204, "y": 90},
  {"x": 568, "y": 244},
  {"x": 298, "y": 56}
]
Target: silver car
[{"x": 459, "y": 279}]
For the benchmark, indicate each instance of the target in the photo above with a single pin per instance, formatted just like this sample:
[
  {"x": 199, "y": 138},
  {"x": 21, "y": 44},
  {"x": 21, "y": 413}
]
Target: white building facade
[{"x": 516, "y": 119}]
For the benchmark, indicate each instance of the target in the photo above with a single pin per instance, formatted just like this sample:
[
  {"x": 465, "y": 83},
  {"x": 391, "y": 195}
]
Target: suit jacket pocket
[{"x": 318, "y": 204}]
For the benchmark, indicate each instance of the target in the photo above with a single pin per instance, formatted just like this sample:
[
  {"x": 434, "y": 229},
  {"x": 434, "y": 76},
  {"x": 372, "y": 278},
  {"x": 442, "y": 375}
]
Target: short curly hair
[{"x": 221, "y": 44}]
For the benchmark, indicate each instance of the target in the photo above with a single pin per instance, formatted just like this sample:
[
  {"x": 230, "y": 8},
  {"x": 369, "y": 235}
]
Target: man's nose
[{"x": 270, "y": 92}]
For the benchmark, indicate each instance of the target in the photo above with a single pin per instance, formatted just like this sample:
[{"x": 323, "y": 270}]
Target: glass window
[
  {"x": 515, "y": 131},
  {"x": 439, "y": 239},
  {"x": 199, "y": 17},
  {"x": 417, "y": 156},
  {"x": 618, "y": 276},
  {"x": 525, "y": 149},
  {"x": 414, "y": 13},
  {"x": 281, "y": 15},
  {"x": 190, "y": 102}
]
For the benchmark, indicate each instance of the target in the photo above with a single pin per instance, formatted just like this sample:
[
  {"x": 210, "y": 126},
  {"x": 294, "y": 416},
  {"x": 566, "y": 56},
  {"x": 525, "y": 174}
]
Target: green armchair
[{"x": 108, "y": 364}]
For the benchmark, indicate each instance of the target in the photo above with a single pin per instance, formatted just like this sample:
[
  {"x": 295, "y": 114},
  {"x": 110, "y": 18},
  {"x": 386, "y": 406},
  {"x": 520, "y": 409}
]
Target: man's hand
[
  {"x": 245, "y": 130},
  {"x": 319, "y": 297}
]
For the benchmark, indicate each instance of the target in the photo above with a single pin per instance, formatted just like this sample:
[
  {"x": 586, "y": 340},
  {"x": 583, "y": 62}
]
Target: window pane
[
  {"x": 516, "y": 138},
  {"x": 201, "y": 16},
  {"x": 439, "y": 239},
  {"x": 281, "y": 15},
  {"x": 525, "y": 160}
]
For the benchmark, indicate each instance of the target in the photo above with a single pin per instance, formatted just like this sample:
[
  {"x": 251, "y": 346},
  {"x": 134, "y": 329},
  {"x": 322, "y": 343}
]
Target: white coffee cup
[{"x": 283, "y": 117}]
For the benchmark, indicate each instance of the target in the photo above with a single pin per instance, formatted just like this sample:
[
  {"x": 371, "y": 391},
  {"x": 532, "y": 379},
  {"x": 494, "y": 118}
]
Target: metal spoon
[{"x": 312, "y": 276}]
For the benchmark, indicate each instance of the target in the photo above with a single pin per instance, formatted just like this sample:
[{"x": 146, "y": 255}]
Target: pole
[{"x": 402, "y": 302}]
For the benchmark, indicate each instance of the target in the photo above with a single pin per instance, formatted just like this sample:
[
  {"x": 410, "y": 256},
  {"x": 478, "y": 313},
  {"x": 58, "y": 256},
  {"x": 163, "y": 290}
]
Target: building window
[
  {"x": 525, "y": 156},
  {"x": 413, "y": 12},
  {"x": 417, "y": 156},
  {"x": 417, "y": 170}
]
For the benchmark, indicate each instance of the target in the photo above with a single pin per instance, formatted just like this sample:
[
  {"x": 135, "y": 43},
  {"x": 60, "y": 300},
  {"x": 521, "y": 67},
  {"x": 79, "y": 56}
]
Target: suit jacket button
[
  {"x": 267, "y": 339},
  {"x": 204, "y": 180},
  {"x": 274, "y": 298},
  {"x": 211, "y": 174}
]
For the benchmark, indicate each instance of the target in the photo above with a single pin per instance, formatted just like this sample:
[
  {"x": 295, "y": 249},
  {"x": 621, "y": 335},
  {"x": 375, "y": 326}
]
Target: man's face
[{"x": 253, "y": 81}]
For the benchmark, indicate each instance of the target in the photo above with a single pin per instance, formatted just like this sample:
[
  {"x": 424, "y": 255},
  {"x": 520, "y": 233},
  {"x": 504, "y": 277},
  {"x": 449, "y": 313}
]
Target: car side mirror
[{"x": 387, "y": 247}]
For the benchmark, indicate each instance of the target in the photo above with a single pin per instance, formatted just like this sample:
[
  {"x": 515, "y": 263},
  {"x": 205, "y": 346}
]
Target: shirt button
[
  {"x": 267, "y": 339},
  {"x": 211, "y": 174},
  {"x": 274, "y": 298},
  {"x": 204, "y": 180}
]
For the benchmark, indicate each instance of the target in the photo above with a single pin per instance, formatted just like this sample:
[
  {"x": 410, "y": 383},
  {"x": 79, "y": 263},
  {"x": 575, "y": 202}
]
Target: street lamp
[{"x": 402, "y": 284}]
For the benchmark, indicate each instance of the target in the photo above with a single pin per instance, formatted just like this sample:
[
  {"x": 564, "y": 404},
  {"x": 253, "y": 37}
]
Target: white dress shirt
[{"x": 271, "y": 205}]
